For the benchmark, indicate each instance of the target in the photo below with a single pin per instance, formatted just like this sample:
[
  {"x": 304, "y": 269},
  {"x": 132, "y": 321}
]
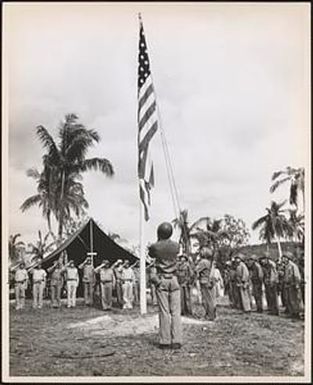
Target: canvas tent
[{"x": 89, "y": 238}]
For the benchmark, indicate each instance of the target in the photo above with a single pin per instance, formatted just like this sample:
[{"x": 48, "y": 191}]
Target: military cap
[
  {"x": 253, "y": 257},
  {"x": 240, "y": 256}
]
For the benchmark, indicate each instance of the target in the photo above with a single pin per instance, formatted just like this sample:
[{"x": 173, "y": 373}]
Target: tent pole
[
  {"x": 143, "y": 299},
  {"x": 91, "y": 240}
]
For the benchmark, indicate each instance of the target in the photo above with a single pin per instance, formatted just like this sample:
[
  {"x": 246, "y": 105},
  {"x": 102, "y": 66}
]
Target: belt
[
  {"x": 20, "y": 281},
  {"x": 127, "y": 280},
  {"x": 71, "y": 279},
  {"x": 167, "y": 276},
  {"x": 38, "y": 281},
  {"x": 106, "y": 281}
]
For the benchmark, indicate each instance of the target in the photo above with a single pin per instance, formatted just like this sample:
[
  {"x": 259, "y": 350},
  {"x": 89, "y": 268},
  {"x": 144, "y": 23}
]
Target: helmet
[
  {"x": 288, "y": 255},
  {"x": 165, "y": 230}
]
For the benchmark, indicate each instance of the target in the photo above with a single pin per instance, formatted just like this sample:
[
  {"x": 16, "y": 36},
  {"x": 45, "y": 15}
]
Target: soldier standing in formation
[
  {"x": 56, "y": 283},
  {"x": 128, "y": 279},
  {"x": 165, "y": 252},
  {"x": 107, "y": 282},
  {"x": 185, "y": 277},
  {"x": 136, "y": 270},
  {"x": 242, "y": 283},
  {"x": 21, "y": 282},
  {"x": 256, "y": 275},
  {"x": 89, "y": 280},
  {"x": 118, "y": 269},
  {"x": 39, "y": 283},
  {"x": 72, "y": 282},
  {"x": 292, "y": 281},
  {"x": 270, "y": 283},
  {"x": 205, "y": 272}
]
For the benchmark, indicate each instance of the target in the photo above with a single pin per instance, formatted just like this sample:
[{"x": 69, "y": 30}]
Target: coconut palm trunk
[
  {"x": 279, "y": 248},
  {"x": 61, "y": 214}
]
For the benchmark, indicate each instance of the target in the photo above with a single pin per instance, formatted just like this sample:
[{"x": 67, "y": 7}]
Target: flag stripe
[
  {"x": 145, "y": 141},
  {"x": 147, "y": 124}
]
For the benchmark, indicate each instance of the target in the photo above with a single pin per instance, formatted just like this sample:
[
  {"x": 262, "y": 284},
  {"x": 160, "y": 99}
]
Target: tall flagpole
[{"x": 143, "y": 294}]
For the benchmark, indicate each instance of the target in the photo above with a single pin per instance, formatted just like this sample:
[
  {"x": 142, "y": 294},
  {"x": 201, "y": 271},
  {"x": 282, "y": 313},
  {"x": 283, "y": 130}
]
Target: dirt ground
[{"x": 89, "y": 342}]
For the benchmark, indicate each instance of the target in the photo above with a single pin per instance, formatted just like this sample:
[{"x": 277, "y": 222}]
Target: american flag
[{"x": 147, "y": 123}]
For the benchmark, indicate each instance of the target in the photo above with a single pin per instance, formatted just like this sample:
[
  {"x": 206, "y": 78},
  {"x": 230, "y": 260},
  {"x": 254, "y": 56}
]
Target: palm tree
[
  {"x": 295, "y": 176},
  {"x": 185, "y": 230},
  {"x": 44, "y": 197},
  {"x": 41, "y": 247},
  {"x": 213, "y": 234},
  {"x": 273, "y": 225},
  {"x": 66, "y": 161},
  {"x": 296, "y": 226},
  {"x": 15, "y": 247}
]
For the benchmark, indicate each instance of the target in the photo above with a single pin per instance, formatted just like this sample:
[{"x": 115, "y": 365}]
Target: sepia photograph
[{"x": 156, "y": 192}]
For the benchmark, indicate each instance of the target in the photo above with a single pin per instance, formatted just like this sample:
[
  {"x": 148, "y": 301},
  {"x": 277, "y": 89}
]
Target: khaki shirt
[
  {"x": 88, "y": 274},
  {"x": 242, "y": 273},
  {"x": 205, "y": 270},
  {"x": 39, "y": 275},
  {"x": 128, "y": 274},
  {"x": 107, "y": 275},
  {"x": 56, "y": 276},
  {"x": 292, "y": 276},
  {"x": 165, "y": 253},
  {"x": 21, "y": 276}
]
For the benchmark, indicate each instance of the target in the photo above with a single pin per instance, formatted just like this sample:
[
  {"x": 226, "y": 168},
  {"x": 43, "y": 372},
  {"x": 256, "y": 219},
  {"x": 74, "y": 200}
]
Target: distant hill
[{"x": 295, "y": 248}]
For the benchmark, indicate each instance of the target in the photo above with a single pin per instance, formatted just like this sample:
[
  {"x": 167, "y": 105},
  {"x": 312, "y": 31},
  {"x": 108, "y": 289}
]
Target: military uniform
[
  {"x": 292, "y": 281},
  {"x": 56, "y": 284},
  {"x": 88, "y": 282},
  {"x": 271, "y": 283},
  {"x": 185, "y": 275},
  {"x": 128, "y": 279},
  {"x": 21, "y": 280},
  {"x": 165, "y": 253},
  {"x": 243, "y": 284},
  {"x": 256, "y": 275},
  {"x": 107, "y": 282},
  {"x": 39, "y": 282},
  {"x": 72, "y": 282},
  {"x": 205, "y": 271},
  {"x": 119, "y": 285}
]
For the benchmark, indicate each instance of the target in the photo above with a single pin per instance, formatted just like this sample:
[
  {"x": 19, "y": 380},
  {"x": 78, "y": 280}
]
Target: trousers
[
  {"x": 106, "y": 295},
  {"x": 119, "y": 293},
  {"x": 56, "y": 294},
  {"x": 38, "y": 288},
  {"x": 20, "y": 295},
  {"x": 185, "y": 299},
  {"x": 257, "y": 294},
  {"x": 168, "y": 297},
  {"x": 294, "y": 301},
  {"x": 208, "y": 294},
  {"x": 71, "y": 293},
  {"x": 272, "y": 298},
  {"x": 88, "y": 293},
  {"x": 128, "y": 294}
]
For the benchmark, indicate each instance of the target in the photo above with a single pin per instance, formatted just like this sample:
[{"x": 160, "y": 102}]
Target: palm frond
[
  {"x": 101, "y": 164},
  {"x": 47, "y": 141},
  {"x": 30, "y": 202},
  {"x": 259, "y": 222},
  {"x": 278, "y": 183}
]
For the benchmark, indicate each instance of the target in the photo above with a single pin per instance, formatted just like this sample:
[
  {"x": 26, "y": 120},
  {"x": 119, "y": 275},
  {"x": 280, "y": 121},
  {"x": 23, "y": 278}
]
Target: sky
[{"x": 232, "y": 86}]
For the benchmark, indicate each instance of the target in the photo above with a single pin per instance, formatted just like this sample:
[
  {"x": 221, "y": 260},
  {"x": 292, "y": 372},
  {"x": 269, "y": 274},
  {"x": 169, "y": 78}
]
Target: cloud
[{"x": 232, "y": 89}]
